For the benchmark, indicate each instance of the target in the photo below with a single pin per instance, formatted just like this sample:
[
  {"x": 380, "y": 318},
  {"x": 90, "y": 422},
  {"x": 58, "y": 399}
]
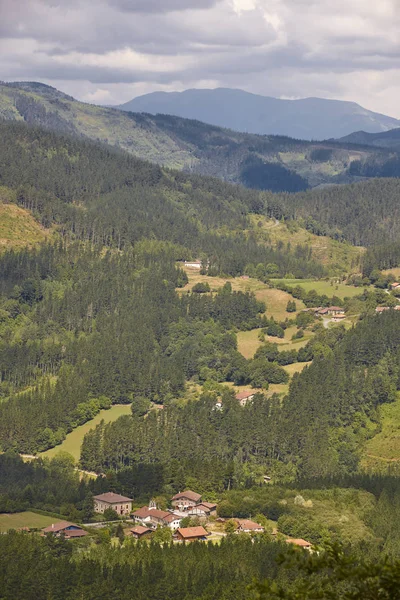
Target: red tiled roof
[
  {"x": 56, "y": 527},
  {"x": 140, "y": 530},
  {"x": 192, "y": 532},
  {"x": 112, "y": 498},
  {"x": 338, "y": 308},
  {"x": 142, "y": 512},
  {"x": 76, "y": 533},
  {"x": 170, "y": 517},
  {"x": 247, "y": 524},
  {"x": 298, "y": 542},
  {"x": 209, "y": 505},
  {"x": 189, "y": 495},
  {"x": 158, "y": 514},
  {"x": 244, "y": 395}
]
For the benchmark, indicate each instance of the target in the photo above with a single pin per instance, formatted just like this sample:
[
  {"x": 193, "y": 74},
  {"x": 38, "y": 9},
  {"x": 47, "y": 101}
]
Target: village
[{"x": 186, "y": 507}]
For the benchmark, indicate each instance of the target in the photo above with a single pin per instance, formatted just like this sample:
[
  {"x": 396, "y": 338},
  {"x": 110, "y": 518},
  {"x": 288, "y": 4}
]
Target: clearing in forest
[
  {"x": 395, "y": 272},
  {"x": 383, "y": 449},
  {"x": 73, "y": 441},
  {"x": 18, "y": 228},
  {"x": 329, "y": 288},
  {"x": 24, "y": 519},
  {"x": 276, "y": 300}
]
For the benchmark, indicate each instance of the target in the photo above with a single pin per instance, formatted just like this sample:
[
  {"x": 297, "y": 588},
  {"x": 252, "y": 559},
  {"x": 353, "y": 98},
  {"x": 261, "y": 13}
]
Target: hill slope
[
  {"x": 385, "y": 139},
  {"x": 308, "y": 118},
  {"x": 275, "y": 163}
]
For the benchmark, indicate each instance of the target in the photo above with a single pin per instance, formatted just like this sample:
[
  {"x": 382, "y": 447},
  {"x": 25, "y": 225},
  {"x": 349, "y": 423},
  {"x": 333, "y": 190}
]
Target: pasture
[
  {"x": 73, "y": 441},
  {"x": 24, "y": 519},
  {"x": 275, "y": 300},
  {"x": 329, "y": 288},
  {"x": 383, "y": 449}
]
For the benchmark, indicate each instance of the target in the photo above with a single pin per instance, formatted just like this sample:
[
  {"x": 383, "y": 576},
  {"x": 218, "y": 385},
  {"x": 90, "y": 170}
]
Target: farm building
[
  {"x": 395, "y": 285},
  {"x": 139, "y": 532},
  {"x": 66, "y": 529},
  {"x": 299, "y": 542},
  {"x": 244, "y": 397},
  {"x": 185, "y": 500},
  {"x": 121, "y": 504},
  {"x": 151, "y": 516},
  {"x": 247, "y": 526},
  {"x": 194, "y": 264},
  {"x": 335, "y": 310},
  {"x": 204, "y": 509},
  {"x": 191, "y": 534}
]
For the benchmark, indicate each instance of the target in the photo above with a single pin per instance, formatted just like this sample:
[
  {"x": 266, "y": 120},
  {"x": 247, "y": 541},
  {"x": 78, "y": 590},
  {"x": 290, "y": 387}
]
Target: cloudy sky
[{"x": 108, "y": 51}]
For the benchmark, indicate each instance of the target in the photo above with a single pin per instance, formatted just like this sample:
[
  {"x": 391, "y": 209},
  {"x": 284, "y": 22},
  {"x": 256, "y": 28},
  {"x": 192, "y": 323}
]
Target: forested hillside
[
  {"x": 264, "y": 162},
  {"x": 365, "y": 213},
  {"x": 331, "y": 408},
  {"x": 89, "y": 319},
  {"x": 94, "y": 319}
]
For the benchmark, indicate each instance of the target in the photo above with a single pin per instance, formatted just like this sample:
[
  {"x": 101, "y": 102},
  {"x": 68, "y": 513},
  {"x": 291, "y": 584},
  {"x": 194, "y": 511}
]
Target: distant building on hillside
[
  {"x": 121, "y": 504},
  {"x": 244, "y": 397},
  {"x": 185, "y": 500},
  {"x": 191, "y": 534},
  {"x": 247, "y": 526},
  {"x": 335, "y": 310},
  {"x": 204, "y": 509},
  {"x": 194, "y": 264},
  {"x": 139, "y": 532},
  {"x": 151, "y": 516},
  {"x": 395, "y": 285},
  {"x": 299, "y": 542},
  {"x": 65, "y": 529}
]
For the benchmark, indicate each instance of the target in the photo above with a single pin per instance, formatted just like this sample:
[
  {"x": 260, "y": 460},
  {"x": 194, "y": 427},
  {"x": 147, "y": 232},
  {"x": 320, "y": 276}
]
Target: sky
[{"x": 109, "y": 51}]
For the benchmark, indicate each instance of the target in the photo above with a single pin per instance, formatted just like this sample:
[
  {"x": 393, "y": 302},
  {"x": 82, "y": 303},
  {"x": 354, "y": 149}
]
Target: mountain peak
[{"x": 305, "y": 118}]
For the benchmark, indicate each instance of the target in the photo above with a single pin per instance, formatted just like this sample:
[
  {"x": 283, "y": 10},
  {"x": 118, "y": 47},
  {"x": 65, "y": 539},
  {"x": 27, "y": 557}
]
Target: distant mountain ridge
[
  {"x": 275, "y": 163},
  {"x": 307, "y": 118},
  {"x": 386, "y": 139}
]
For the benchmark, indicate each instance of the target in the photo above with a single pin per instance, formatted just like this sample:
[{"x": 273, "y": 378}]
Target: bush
[
  {"x": 291, "y": 306},
  {"x": 110, "y": 515},
  {"x": 201, "y": 288}
]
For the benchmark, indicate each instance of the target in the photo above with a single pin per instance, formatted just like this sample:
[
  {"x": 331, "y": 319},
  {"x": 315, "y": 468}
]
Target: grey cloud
[
  {"x": 302, "y": 47},
  {"x": 160, "y": 6}
]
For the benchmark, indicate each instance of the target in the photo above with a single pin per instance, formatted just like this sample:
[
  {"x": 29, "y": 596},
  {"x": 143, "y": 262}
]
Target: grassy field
[
  {"x": 323, "y": 287},
  {"x": 395, "y": 271},
  {"x": 276, "y": 300},
  {"x": 73, "y": 441},
  {"x": 18, "y": 228},
  {"x": 24, "y": 519},
  {"x": 338, "y": 256},
  {"x": 248, "y": 341},
  {"x": 384, "y": 448}
]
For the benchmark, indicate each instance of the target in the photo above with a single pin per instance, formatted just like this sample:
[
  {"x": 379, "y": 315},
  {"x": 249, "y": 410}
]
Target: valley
[{"x": 164, "y": 331}]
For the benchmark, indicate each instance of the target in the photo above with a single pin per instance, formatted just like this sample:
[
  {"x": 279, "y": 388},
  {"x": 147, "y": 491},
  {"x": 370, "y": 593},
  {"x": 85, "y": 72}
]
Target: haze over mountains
[
  {"x": 264, "y": 162},
  {"x": 386, "y": 139},
  {"x": 308, "y": 118}
]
